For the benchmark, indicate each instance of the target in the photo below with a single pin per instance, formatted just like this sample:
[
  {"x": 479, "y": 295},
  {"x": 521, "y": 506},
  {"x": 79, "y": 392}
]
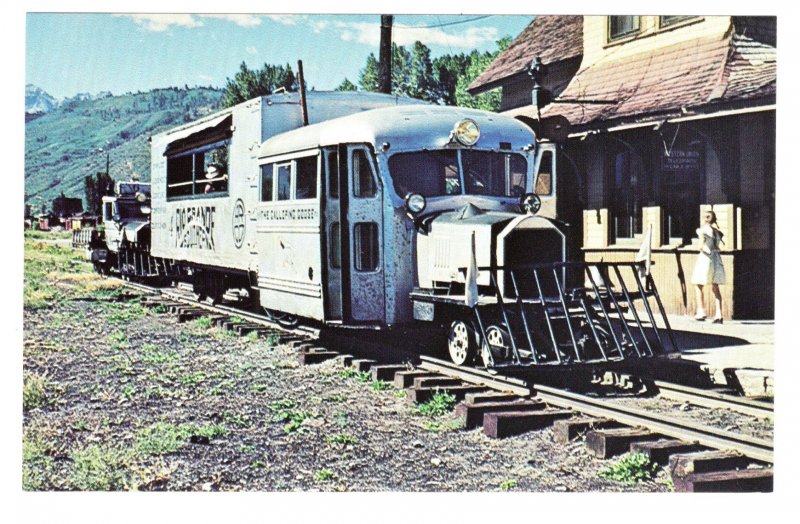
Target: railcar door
[{"x": 356, "y": 292}]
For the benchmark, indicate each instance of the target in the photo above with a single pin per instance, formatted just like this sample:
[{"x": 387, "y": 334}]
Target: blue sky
[{"x": 68, "y": 53}]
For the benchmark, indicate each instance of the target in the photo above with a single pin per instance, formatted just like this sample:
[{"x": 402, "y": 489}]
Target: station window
[
  {"x": 666, "y": 21},
  {"x": 306, "y": 174},
  {"x": 363, "y": 182},
  {"x": 622, "y": 26},
  {"x": 366, "y": 246},
  {"x": 200, "y": 171},
  {"x": 267, "y": 182}
]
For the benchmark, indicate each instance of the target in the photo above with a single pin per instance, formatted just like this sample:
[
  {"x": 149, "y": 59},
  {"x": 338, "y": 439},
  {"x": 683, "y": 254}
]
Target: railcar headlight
[
  {"x": 141, "y": 197},
  {"x": 530, "y": 203},
  {"x": 415, "y": 203},
  {"x": 467, "y": 132}
]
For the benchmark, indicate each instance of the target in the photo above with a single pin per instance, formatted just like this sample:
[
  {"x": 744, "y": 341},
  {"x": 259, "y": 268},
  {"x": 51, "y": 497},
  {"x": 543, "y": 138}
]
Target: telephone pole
[{"x": 385, "y": 56}]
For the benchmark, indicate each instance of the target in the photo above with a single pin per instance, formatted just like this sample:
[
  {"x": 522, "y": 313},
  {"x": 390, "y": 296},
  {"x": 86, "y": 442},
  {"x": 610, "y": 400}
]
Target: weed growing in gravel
[
  {"x": 323, "y": 475},
  {"x": 335, "y": 398},
  {"x": 443, "y": 427},
  {"x": 273, "y": 340},
  {"x": 37, "y": 390},
  {"x": 237, "y": 420},
  {"x": 381, "y": 385},
  {"x": 125, "y": 313},
  {"x": 129, "y": 391},
  {"x": 285, "y": 411},
  {"x": 441, "y": 403},
  {"x": 101, "y": 468},
  {"x": 159, "y": 309},
  {"x": 631, "y": 468},
  {"x": 118, "y": 340},
  {"x": 203, "y": 323},
  {"x": 342, "y": 439},
  {"x": 195, "y": 377},
  {"x": 37, "y": 463},
  {"x": 163, "y": 438},
  {"x": 153, "y": 355},
  {"x": 508, "y": 485},
  {"x": 400, "y": 394},
  {"x": 361, "y": 376}
]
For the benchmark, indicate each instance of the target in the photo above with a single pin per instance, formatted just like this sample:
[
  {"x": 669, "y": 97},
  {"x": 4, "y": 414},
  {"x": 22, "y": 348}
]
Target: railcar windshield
[
  {"x": 130, "y": 210},
  {"x": 458, "y": 172}
]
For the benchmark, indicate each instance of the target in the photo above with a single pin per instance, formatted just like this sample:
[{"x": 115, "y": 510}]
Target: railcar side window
[
  {"x": 336, "y": 245},
  {"x": 284, "y": 182},
  {"x": 363, "y": 183},
  {"x": 544, "y": 177},
  {"x": 306, "y": 175},
  {"x": 267, "y": 182},
  {"x": 199, "y": 171},
  {"x": 333, "y": 173},
  {"x": 366, "y": 246}
]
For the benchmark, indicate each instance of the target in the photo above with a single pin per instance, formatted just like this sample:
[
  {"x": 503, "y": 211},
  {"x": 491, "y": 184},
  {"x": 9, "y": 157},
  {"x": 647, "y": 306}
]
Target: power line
[{"x": 442, "y": 24}]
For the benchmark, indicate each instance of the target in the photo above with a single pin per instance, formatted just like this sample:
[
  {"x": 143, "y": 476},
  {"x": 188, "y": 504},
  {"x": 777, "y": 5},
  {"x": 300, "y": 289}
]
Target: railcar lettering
[
  {"x": 193, "y": 227},
  {"x": 309, "y": 213}
]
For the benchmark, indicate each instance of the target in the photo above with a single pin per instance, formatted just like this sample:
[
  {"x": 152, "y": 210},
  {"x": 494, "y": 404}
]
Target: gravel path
[{"x": 120, "y": 397}]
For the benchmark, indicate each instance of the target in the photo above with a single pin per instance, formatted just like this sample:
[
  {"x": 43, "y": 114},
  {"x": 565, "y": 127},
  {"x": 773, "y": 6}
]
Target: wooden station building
[{"x": 667, "y": 116}]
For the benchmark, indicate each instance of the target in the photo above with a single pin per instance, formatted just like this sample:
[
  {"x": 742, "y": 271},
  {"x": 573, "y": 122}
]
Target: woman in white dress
[{"x": 709, "y": 269}]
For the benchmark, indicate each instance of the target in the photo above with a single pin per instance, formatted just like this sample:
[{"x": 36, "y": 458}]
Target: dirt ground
[{"x": 121, "y": 397}]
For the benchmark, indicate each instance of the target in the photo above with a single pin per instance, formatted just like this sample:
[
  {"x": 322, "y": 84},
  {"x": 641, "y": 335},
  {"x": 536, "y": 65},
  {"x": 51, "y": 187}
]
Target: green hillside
[{"x": 61, "y": 147}]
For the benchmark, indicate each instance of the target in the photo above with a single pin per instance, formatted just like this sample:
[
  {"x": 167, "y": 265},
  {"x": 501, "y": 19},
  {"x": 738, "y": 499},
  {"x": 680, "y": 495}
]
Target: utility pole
[{"x": 385, "y": 56}]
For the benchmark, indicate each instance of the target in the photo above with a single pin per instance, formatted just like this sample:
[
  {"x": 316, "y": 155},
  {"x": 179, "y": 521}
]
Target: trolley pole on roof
[
  {"x": 385, "y": 56},
  {"x": 301, "y": 81}
]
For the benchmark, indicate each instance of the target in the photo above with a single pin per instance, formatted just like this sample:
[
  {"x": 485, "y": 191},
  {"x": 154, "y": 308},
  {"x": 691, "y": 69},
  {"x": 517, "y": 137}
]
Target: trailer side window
[
  {"x": 267, "y": 182},
  {"x": 284, "y": 182},
  {"x": 332, "y": 166},
  {"x": 363, "y": 183},
  {"x": 544, "y": 178},
  {"x": 306, "y": 175},
  {"x": 202, "y": 170},
  {"x": 336, "y": 245}
]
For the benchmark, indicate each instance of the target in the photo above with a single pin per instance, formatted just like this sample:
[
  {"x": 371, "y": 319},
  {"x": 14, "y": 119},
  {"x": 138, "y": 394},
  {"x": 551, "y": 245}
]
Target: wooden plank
[
  {"x": 605, "y": 443},
  {"x": 473, "y": 414},
  {"x": 491, "y": 396},
  {"x": 706, "y": 461},
  {"x": 501, "y": 425},
  {"x": 315, "y": 357},
  {"x": 405, "y": 379},
  {"x": 362, "y": 364},
  {"x": 386, "y": 372},
  {"x": 564, "y": 431},
  {"x": 661, "y": 450},
  {"x": 436, "y": 381},
  {"x": 736, "y": 481}
]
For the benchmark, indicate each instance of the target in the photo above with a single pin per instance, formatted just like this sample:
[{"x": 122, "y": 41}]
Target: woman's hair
[{"x": 713, "y": 217}]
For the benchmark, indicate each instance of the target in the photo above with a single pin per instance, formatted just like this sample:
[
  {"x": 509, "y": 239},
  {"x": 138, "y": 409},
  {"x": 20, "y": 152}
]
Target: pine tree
[{"x": 346, "y": 85}]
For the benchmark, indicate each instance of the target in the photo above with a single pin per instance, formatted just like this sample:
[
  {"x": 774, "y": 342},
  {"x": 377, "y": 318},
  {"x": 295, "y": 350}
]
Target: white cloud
[
  {"x": 251, "y": 49},
  {"x": 240, "y": 20},
  {"x": 370, "y": 34},
  {"x": 320, "y": 26},
  {"x": 287, "y": 19},
  {"x": 162, "y": 22}
]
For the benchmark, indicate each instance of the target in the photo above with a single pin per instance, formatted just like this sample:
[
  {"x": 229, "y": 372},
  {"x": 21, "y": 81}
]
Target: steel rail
[
  {"x": 177, "y": 295},
  {"x": 713, "y": 399},
  {"x": 755, "y": 448}
]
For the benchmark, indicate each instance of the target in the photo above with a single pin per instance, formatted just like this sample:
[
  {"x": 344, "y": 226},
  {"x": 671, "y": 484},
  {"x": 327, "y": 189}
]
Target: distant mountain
[
  {"x": 62, "y": 145},
  {"x": 37, "y": 100}
]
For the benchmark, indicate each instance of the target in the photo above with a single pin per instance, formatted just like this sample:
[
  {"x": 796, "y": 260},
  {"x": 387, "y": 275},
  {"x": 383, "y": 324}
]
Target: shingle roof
[
  {"x": 690, "y": 74},
  {"x": 551, "y": 38}
]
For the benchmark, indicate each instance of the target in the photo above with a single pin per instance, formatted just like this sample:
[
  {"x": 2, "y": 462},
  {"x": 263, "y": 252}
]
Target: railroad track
[
  {"x": 752, "y": 447},
  {"x": 716, "y": 400}
]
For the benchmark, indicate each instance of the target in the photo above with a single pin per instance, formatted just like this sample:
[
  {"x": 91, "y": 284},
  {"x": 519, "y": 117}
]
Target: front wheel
[{"x": 462, "y": 343}]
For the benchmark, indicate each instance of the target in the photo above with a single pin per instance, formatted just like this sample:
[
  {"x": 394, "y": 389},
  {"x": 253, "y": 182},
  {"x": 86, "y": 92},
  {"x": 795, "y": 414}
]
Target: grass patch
[
  {"x": 37, "y": 463},
  {"x": 630, "y": 469},
  {"x": 381, "y": 385},
  {"x": 37, "y": 391},
  {"x": 203, "y": 323},
  {"x": 323, "y": 475},
  {"x": 441, "y": 403},
  {"x": 152, "y": 354},
  {"x": 236, "y": 420},
  {"x": 508, "y": 485},
  {"x": 437, "y": 426},
  {"x": 101, "y": 468},
  {"x": 273, "y": 339},
  {"x": 342, "y": 439},
  {"x": 361, "y": 376},
  {"x": 196, "y": 377},
  {"x": 163, "y": 438},
  {"x": 286, "y": 411}
]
